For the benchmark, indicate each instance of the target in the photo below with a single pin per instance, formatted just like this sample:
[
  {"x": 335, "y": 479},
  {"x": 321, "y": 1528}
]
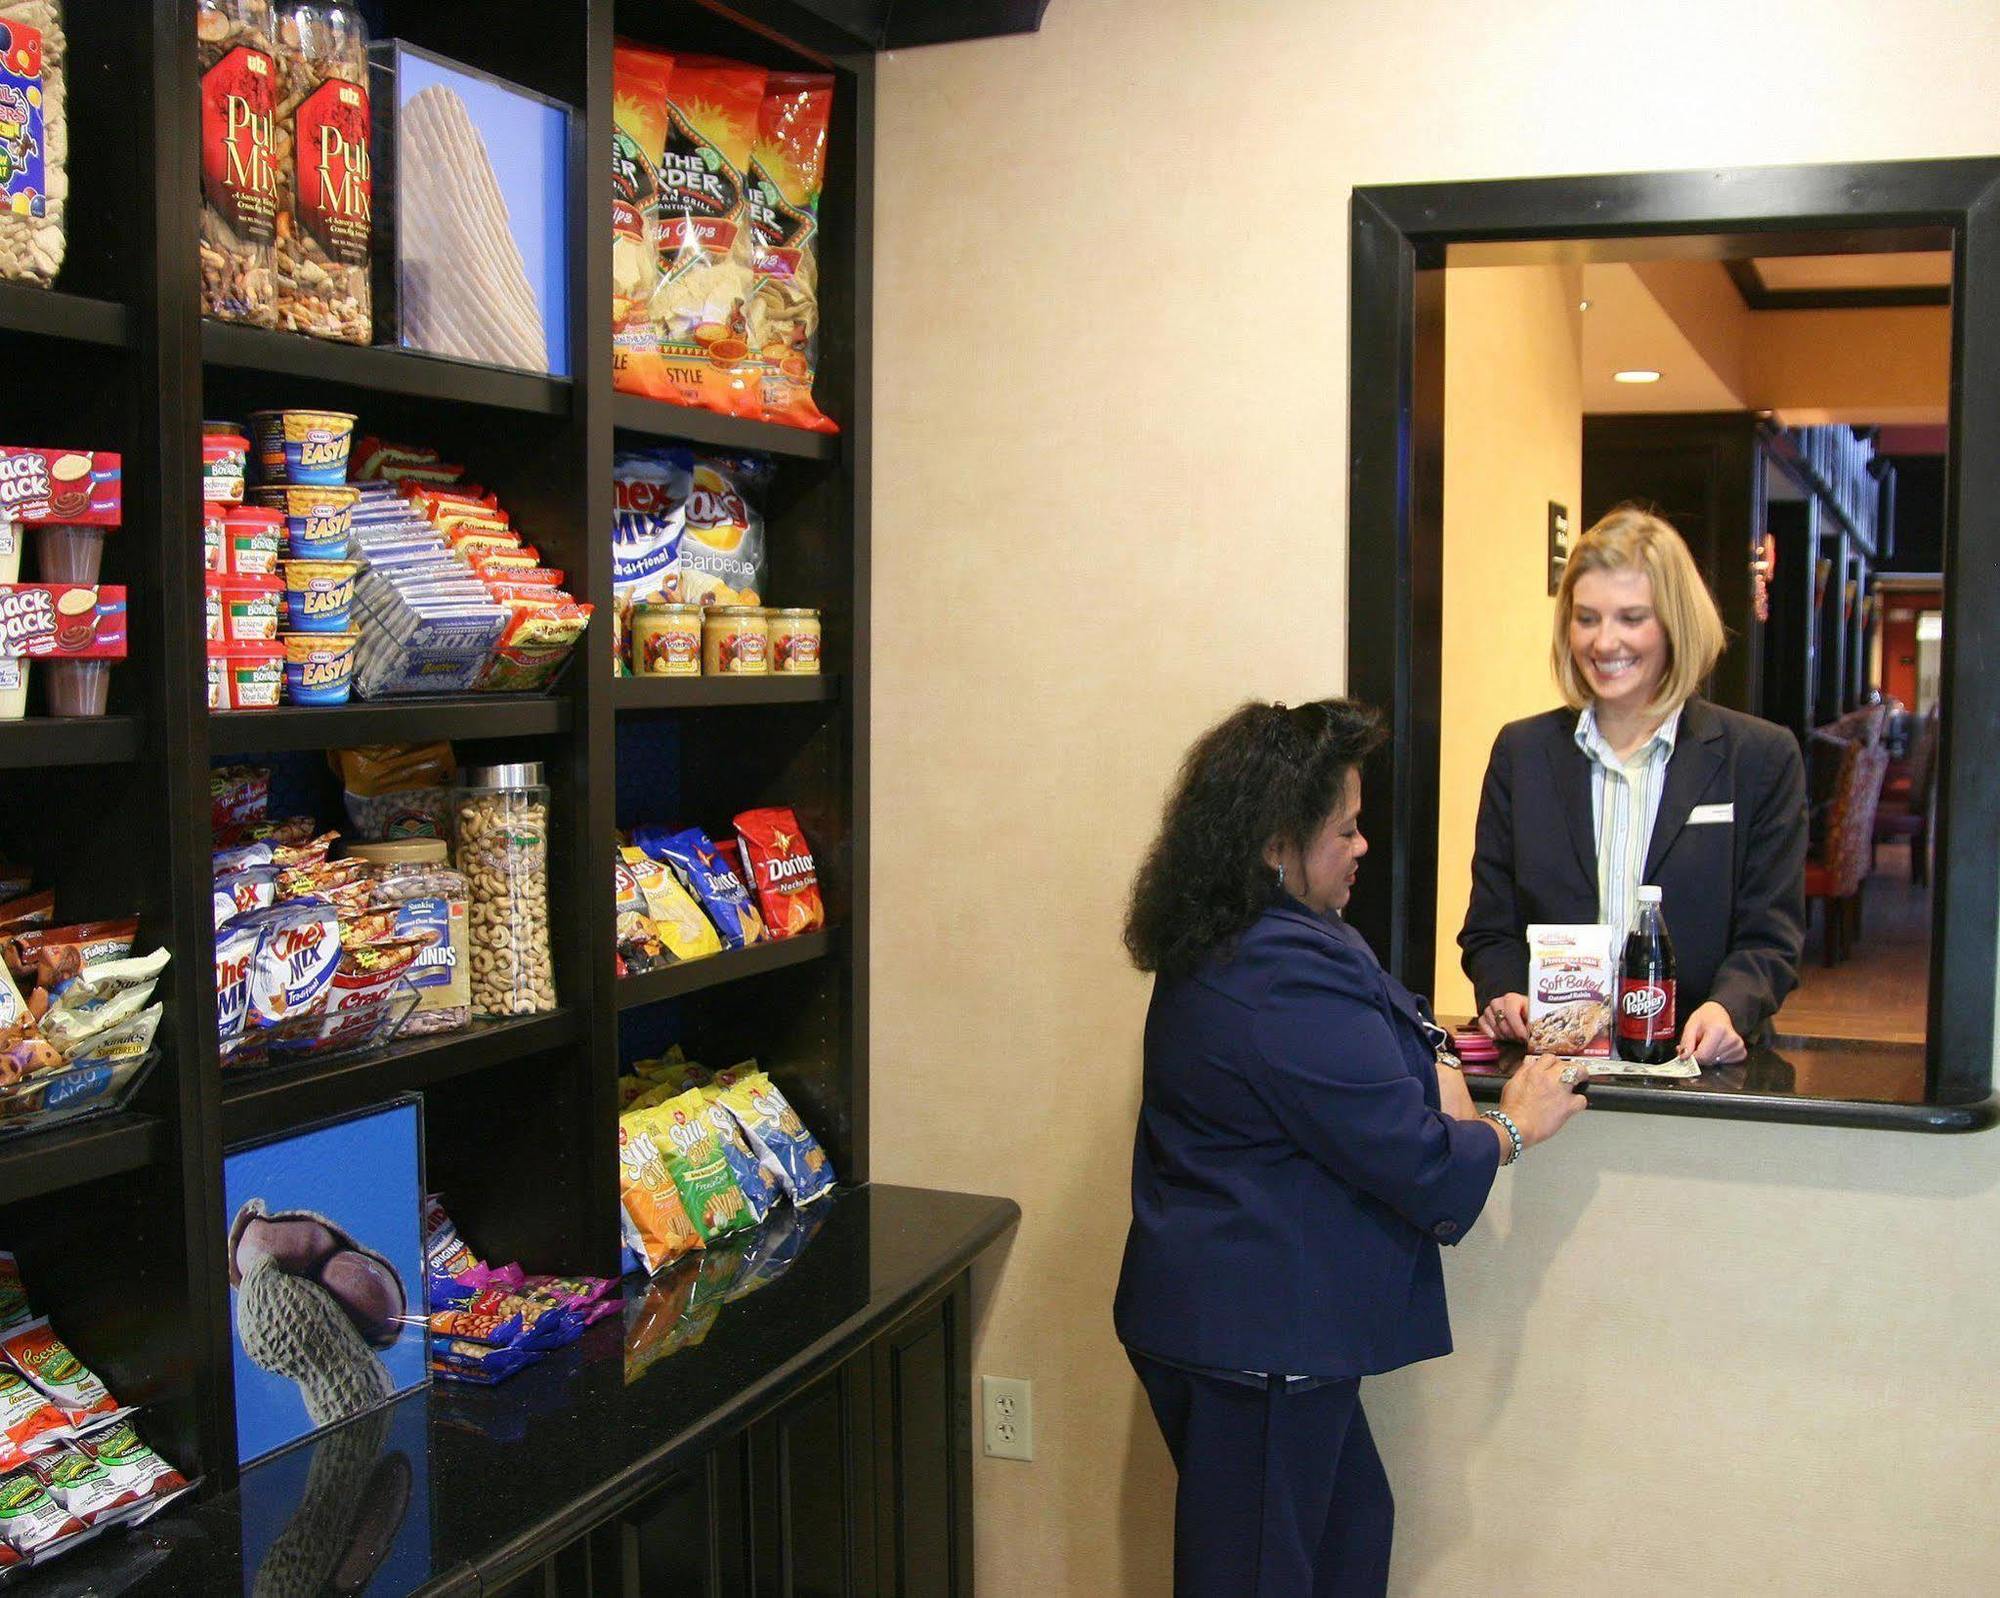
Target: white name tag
[{"x": 1708, "y": 815}]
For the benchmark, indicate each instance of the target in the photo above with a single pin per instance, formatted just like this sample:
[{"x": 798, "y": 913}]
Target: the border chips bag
[
  {"x": 639, "y": 80},
  {"x": 787, "y": 171}
]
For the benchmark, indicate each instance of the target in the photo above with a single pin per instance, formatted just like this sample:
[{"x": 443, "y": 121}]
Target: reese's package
[{"x": 782, "y": 871}]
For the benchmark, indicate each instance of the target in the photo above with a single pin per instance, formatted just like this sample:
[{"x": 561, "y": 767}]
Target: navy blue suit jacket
[
  {"x": 1293, "y": 1174},
  {"x": 1734, "y": 891}
]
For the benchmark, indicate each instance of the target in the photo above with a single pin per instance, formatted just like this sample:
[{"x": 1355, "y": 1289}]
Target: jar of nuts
[
  {"x": 501, "y": 831},
  {"x": 431, "y": 901}
]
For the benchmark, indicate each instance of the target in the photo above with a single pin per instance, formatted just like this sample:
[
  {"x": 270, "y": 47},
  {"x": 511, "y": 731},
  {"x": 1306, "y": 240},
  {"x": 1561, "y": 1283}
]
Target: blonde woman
[{"x": 1638, "y": 779}]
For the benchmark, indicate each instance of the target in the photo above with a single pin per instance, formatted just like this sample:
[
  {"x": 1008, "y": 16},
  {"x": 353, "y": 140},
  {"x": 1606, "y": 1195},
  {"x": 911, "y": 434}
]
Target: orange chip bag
[
  {"x": 653, "y": 1220},
  {"x": 699, "y": 310},
  {"x": 639, "y": 80},
  {"x": 787, "y": 170},
  {"x": 785, "y": 876}
]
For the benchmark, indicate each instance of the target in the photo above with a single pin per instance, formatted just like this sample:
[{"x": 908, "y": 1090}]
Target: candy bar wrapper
[
  {"x": 29, "y": 1422},
  {"x": 30, "y": 1519},
  {"x": 45, "y": 1360},
  {"x": 72, "y": 1476},
  {"x": 129, "y": 1463},
  {"x": 13, "y": 1293}
]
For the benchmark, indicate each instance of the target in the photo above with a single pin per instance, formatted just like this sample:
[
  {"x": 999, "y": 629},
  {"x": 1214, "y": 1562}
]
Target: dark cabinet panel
[{"x": 924, "y": 1456}]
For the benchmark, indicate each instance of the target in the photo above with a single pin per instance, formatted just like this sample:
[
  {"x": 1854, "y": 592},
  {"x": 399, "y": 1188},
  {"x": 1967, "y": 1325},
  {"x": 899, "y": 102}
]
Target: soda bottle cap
[{"x": 1649, "y": 895}]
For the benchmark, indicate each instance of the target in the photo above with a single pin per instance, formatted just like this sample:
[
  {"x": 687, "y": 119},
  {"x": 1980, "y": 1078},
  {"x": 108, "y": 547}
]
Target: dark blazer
[
  {"x": 1733, "y": 891},
  {"x": 1293, "y": 1175}
]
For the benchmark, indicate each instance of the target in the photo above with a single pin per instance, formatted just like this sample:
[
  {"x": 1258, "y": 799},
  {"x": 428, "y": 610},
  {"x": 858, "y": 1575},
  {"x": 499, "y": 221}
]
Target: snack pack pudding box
[
  {"x": 76, "y": 629},
  {"x": 70, "y": 496}
]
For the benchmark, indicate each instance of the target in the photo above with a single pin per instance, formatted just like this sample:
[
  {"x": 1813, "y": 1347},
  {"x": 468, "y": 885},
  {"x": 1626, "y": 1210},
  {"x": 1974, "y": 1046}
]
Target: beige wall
[
  {"x": 1513, "y": 441},
  {"x": 1110, "y": 502}
]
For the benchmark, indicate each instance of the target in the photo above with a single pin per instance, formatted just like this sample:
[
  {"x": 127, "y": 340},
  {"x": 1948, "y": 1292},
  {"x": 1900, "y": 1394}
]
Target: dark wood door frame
[{"x": 1402, "y": 237}]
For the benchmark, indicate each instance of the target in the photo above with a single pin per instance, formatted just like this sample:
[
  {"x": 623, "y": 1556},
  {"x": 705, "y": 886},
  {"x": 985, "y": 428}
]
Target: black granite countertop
[
  {"x": 1810, "y": 1081},
  {"x": 457, "y": 1487}
]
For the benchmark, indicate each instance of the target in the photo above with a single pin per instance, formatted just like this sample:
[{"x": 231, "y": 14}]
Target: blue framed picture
[
  {"x": 476, "y": 185},
  {"x": 326, "y": 1274}
]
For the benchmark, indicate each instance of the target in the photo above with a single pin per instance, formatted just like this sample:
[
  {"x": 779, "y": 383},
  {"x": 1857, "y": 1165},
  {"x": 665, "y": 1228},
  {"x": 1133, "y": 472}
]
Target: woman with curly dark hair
[{"x": 1303, "y": 1148}]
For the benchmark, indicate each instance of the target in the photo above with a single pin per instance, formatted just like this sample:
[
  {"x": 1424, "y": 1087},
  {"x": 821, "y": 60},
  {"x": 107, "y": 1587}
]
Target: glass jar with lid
[{"x": 500, "y": 824}]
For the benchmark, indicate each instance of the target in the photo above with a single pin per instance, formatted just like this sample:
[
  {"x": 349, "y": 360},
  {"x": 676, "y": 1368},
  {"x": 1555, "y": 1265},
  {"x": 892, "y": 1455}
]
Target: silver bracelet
[{"x": 1505, "y": 1122}]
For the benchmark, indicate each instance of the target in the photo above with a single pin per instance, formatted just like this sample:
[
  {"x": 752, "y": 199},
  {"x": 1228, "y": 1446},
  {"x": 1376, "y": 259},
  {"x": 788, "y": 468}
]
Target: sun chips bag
[
  {"x": 774, "y": 1131},
  {"x": 787, "y": 170},
  {"x": 680, "y": 1129}
]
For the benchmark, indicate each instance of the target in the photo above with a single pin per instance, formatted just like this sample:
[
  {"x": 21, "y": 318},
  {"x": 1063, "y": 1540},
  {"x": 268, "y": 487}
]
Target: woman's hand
[
  {"x": 1454, "y": 1097},
  {"x": 1506, "y": 1017},
  {"x": 1538, "y": 1100},
  {"x": 1710, "y": 1037}
]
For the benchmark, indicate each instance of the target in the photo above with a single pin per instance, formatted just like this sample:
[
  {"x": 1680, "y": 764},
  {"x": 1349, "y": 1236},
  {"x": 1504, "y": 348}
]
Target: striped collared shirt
[{"x": 1624, "y": 804}]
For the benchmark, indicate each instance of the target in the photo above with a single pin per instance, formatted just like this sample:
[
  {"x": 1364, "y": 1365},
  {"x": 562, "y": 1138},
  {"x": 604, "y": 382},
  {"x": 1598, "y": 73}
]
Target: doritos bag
[
  {"x": 700, "y": 310},
  {"x": 652, "y": 1218},
  {"x": 722, "y": 559},
  {"x": 681, "y": 1130},
  {"x": 718, "y": 890},
  {"x": 787, "y": 170},
  {"x": 782, "y": 869},
  {"x": 773, "y": 1129}
]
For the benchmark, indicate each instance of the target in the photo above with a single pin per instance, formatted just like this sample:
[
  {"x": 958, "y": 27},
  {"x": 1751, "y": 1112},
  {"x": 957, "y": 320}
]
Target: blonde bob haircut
[{"x": 1631, "y": 539}]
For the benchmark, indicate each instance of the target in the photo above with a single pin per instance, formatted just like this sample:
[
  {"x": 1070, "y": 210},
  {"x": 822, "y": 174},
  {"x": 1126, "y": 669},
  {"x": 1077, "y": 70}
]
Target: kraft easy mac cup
[
  {"x": 319, "y": 521},
  {"x": 302, "y": 447},
  {"x": 319, "y": 667},
  {"x": 319, "y": 595}
]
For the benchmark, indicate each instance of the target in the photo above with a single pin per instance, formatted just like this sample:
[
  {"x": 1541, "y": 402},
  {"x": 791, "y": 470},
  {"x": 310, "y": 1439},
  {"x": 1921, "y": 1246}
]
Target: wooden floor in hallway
[{"x": 1880, "y": 992}]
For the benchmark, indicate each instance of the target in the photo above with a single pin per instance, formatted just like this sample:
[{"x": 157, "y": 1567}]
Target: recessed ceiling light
[{"x": 1636, "y": 374}]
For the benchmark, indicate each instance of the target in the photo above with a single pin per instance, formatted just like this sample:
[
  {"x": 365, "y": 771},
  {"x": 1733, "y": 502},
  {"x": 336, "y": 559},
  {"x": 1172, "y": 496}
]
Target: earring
[{"x": 1281, "y": 873}]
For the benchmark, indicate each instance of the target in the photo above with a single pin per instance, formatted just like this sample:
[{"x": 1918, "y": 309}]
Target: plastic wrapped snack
[
  {"x": 787, "y": 169},
  {"x": 783, "y": 870},
  {"x": 681, "y": 1131},
  {"x": 652, "y": 1220},
  {"x": 773, "y": 1128},
  {"x": 722, "y": 556},
  {"x": 1572, "y": 978},
  {"x": 699, "y": 865},
  {"x": 649, "y": 496},
  {"x": 34, "y": 134},
  {"x": 683, "y": 929}
]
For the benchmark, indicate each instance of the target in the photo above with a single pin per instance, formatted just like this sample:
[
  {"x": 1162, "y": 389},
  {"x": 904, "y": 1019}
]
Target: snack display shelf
[
  {"x": 52, "y": 314},
  {"x": 695, "y": 693},
  {"x": 732, "y": 965},
  {"x": 41, "y": 741},
  {"x": 385, "y": 369},
  {"x": 234, "y": 732},
  {"x": 657, "y": 419},
  {"x": 75, "y": 1152},
  {"x": 267, "y": 1099}
]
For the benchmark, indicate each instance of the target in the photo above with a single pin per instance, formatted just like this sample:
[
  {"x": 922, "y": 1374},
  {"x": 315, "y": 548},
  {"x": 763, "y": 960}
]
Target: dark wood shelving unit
[
  {"x": 37, "y": 741},
  {"x": 699, "y": 693},
  {"x": 631, "y": 413},
  {"x": 33, "y": 1164},
  {"x": 385, "y": 370},
  {"x": 51, "y": 314},
  {"x": 275, "y": 1098},
  {"x": 233, "y": 732},
  {"x": 732, "y": 965},
  {"x": 138, "y": 370}
]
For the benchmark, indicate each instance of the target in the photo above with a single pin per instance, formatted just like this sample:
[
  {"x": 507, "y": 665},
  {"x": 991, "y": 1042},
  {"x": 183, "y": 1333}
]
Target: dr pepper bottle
[{"x": 1647, "y": 1023}]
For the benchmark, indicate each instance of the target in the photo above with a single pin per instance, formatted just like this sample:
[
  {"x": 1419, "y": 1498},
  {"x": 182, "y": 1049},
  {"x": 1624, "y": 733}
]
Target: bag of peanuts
[
  {"x": 396, "y": 791},
  {"x": 34, "y": 134}
]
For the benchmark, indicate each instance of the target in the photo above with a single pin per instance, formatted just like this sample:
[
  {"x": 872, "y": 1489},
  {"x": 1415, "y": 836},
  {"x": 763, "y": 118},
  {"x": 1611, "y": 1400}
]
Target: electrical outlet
[{"x": 1009, "y": 1402}]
